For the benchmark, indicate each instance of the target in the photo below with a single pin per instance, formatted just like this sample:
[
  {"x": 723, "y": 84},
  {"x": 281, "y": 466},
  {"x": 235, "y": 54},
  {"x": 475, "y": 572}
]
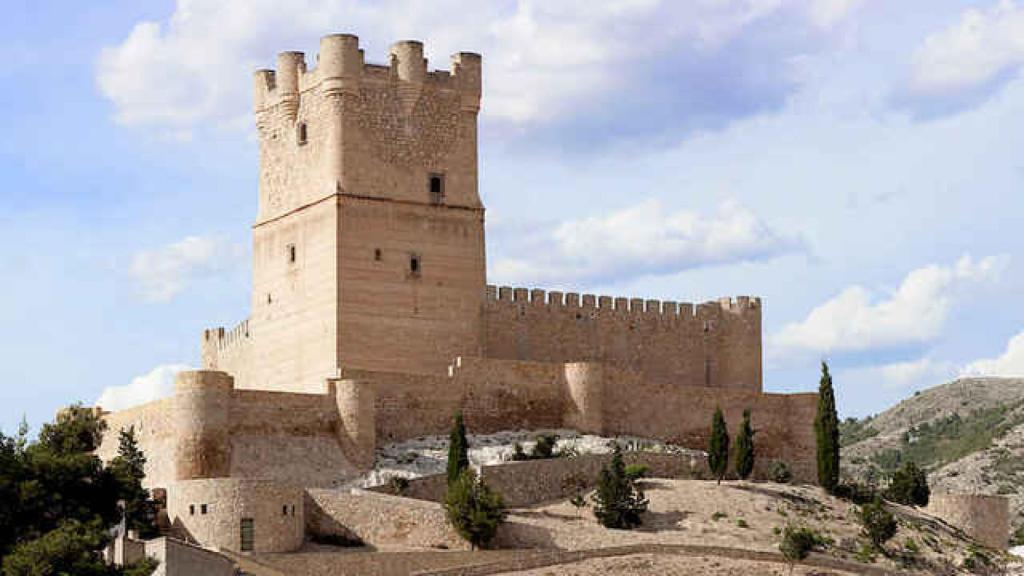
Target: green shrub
[
  {"x": 780, "y": 473},
  {"x": 398, "y": 485},
  {"x": 798, "y": 541},
  {"x": 1017, "y": 539},
  {"x": 718, "y": 515},
  {"x": 474, "y": 510},
  {"x": 740, "y": 522},
  {"x": 72, "y": 548},
  {"x": 877, "y": 524},
  {"x": 637, "y": 471},
  {"x": 618, "y": 502},
  {"x": 909, "y": 486},
  {"x": 856, "y": 492}
]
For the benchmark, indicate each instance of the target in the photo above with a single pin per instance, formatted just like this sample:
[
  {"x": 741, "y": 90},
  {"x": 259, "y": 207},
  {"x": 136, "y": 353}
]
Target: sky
[{"x": 855, "y": 163}]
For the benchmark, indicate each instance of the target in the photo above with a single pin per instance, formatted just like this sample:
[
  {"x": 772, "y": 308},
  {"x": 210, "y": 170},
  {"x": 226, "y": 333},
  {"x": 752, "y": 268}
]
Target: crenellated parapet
[
  {"x": 341, "y": 68},
  {"x": 714, "y": 344},
  {"x": 559, "y": 302}
]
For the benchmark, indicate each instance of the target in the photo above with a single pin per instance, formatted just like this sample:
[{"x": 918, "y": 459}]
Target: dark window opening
[
  {"x": 291, "y": 253},
  {"x": 436, "y": 188},
  {"x": 191, "y": 509},
  {"x": 376, "y": 254},
  {"x": 301, "y": 133},
  {"x": 414, "y": 265},
  {"x": 202, "y": 508},
  {"x": 247, "y": 535},
  {"x": 284, "y": 510}
]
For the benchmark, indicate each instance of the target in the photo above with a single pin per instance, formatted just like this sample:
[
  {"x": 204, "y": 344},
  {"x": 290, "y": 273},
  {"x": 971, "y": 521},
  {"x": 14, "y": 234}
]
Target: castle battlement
[
  {"x": 619, "y": 306},
  {"x": 224, "y": 339},
  {"x": 341, "y": 67}
]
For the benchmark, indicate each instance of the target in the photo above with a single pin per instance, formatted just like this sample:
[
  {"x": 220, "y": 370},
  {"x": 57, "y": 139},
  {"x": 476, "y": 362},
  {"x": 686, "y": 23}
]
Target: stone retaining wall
[
  {"x": 379, "y": 519},
  {"x": 984, "y": 518}
]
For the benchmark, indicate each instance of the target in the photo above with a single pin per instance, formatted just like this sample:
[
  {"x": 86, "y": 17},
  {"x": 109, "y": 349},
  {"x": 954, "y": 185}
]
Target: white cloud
[
  {"x": 856, "y": 320},
  {"x": 1010, "y": 363},
  {"x": 157, "y": 383},
  {"x": 979, "y": 49},
  {"x": 921, "y": 373},
  {"x": 828, "y": 13},
  {"x": 542, "y": 59},
  {"x": 162, "y": 273},
  {"x": 643, "y": 240}
]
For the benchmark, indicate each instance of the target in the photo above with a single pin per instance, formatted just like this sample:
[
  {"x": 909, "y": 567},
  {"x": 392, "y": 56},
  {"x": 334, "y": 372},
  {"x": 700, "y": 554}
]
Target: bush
[
  {"x": 856, "y": 492},
  {"x": 909, "y": 486},
  {"x": 543, "y": 449},
  {"x": 798, "y": 541},
  {"x": 398, "y": 485},
  {"x": 877, "y": 524},
  {"x": 474, "y": 510},
  {"x": 618, "y": 502},
  {"x": 779, "y": 472},
  {"x": 637, "y": 471},
  {"x": 1018, "y": 537}
]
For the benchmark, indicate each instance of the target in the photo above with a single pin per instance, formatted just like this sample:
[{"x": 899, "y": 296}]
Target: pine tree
[
  {"x": 474, "y": 509},
  {"x": 458, "y": 449},
  {"x": 745, "y": 448},
  {"x": 718, "y": 447},
  {"x": 129, "y": 467},
  {"x": 618, "y": 501},
  {"x": 826, "y": 432}
]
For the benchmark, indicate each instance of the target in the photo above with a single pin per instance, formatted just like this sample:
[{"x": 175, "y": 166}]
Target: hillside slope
[{"x": 968, "y": 434}]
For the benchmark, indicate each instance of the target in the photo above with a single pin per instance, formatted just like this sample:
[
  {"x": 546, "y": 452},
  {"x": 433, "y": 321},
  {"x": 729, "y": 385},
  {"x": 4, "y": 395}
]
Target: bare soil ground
[{"x": 741, "y": 519}]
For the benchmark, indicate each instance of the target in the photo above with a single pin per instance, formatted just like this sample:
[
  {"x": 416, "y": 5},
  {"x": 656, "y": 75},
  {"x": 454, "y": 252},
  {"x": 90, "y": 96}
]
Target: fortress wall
[
  {"x": 783, "y": 424},
  {"x": 714, "y": 344},
  {"x": 229, "y": 350},
  {"x": 294, "y": 303},
  {"x": 259, "y": 411},
  {"x": 302, "y": 460},
  {"x": 508, "y": 394},
  {"x": 380, "y": 519},
  {"x": 409, "y": 405},
  {"x": 392, "y": 318},
  {"x": 984, "y": 518},
  {"x": 270, "y": 505},
  {"x": 155, "y": 435}
]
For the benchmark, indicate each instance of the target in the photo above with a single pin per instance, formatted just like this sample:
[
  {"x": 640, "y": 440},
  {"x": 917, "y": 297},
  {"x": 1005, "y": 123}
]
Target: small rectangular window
[
  {"x": 191, "y": 509},
  {"x": 377, "y": 254},
  {"x": 436, "y": 188},
  {"x": 414, "y": 265},
  {"x": 291, "y": 253},
  {"x": 202, "y": 508},
  {"x": 301, "y": 133},
  {"x": 293, "y": 509},
  {"x": 247, "y": 535},
  {"x": 284, "y": 510}
]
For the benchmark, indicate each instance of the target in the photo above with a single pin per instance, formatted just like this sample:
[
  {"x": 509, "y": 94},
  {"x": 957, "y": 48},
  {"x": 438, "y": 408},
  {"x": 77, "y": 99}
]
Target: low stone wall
[
  {"x": 530, "y": 482},
  {"x": 379, "y": 519},
  {"x": 276, "y": 511},
  {"x": 179, "y": 558},
  {"x": 984, "y": 518}
]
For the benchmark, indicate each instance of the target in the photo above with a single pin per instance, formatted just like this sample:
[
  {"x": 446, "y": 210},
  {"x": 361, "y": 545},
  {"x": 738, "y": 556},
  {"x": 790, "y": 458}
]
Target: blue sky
[{"x": 854, "y": 162}]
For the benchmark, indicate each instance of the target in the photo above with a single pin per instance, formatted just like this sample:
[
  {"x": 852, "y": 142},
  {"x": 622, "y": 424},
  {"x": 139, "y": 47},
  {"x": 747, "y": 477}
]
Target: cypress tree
[
  {"x": 718, "y": 447},
  {"x": 826, "y": 432},
  {"x": 458, "y": 449},
  {"x": 745, "y": 448}
]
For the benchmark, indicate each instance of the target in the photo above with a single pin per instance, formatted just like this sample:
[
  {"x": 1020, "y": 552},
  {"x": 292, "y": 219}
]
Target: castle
[{"x": 372, "y": 321}]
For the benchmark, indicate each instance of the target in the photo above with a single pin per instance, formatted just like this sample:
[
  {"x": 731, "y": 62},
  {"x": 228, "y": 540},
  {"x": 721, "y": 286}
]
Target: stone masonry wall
[
  {"x": 277, "y": 512},
  {"x": 984, "y": 518},
  {"x": 716, "y": 344},
  {"x": 380, "y": 519},
  {"x": 154, "y": 433}
]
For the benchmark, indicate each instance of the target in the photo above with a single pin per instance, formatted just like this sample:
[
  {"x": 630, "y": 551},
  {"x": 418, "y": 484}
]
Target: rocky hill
[{"x": 968, "y": 434}]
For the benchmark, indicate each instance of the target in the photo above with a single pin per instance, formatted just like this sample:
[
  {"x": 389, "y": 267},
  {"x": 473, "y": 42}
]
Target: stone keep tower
[{"x": 369, "y": 242}]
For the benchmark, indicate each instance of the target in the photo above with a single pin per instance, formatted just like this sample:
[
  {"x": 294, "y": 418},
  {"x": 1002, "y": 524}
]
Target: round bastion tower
[{"x": 200, "y": 416}]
